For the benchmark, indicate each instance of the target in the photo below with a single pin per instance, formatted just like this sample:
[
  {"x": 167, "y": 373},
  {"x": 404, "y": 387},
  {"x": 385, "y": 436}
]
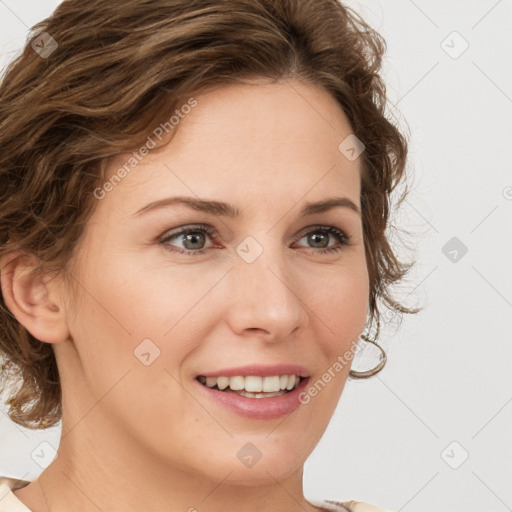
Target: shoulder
[
  {"x": 356, "y": 506},
  {"x": 8, "y": 500},
  {"x": 345, "y": 506},
  {"x": 10, "y": 503}
]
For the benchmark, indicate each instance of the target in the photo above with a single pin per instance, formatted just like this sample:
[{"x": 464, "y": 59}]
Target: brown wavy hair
[{"x": 123, "y": 66}]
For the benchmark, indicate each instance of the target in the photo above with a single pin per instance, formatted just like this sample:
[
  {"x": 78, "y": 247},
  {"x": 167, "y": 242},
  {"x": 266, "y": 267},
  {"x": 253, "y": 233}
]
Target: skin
[{"x": 138, "y": 437}]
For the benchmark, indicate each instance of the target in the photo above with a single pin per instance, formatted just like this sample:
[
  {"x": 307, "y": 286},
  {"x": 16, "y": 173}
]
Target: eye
[
  {"x": 194, "y": 239},
  {"x": 319, "y": 237}
]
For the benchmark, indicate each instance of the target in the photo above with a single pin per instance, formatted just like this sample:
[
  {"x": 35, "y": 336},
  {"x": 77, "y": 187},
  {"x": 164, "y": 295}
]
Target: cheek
[
  {"x": 126, "y": 345},
  {"x": 338, "y": 300},
  {"x": 128, "y": 303},
  {"x": 338, "y": 315},
  {"x": 172, "y": 305}
]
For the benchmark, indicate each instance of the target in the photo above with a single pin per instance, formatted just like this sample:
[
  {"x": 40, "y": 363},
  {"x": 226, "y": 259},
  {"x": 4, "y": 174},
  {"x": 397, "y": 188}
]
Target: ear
[{"x": 32, "y": 297}]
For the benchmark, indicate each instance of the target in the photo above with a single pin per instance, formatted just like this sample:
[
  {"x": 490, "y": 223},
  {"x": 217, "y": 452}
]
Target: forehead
[{"x": 258, "y": 142}]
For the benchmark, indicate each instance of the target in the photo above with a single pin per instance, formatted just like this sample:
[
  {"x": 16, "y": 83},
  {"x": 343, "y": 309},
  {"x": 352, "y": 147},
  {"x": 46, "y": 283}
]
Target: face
[{"x": 169, "y": 292}]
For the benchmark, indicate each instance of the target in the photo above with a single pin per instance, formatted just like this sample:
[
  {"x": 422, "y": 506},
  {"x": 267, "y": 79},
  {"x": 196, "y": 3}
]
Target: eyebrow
[{"x": 220, "y": 208}]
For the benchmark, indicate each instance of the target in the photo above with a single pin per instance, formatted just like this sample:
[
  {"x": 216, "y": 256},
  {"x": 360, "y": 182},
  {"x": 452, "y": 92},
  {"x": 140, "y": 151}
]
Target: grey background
[{"x": 400, "y": 440}]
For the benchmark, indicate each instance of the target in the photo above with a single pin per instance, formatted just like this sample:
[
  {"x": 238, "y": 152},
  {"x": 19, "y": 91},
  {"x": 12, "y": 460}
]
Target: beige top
[{"x": 10, "y": 503}]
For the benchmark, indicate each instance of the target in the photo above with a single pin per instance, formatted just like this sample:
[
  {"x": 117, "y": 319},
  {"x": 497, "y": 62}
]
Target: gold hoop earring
[{"x": 369, "y": 373}]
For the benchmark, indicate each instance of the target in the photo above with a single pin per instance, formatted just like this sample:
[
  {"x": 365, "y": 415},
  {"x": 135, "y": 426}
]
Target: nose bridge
[{"x": 265, "y": 296}]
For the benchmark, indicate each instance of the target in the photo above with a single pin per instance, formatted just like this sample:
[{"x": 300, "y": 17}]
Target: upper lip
[{"x": 259, "y": 370}]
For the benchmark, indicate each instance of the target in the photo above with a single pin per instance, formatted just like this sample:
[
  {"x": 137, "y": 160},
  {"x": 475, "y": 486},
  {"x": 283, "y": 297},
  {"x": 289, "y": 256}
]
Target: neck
[{"x": 109, "y": 474}]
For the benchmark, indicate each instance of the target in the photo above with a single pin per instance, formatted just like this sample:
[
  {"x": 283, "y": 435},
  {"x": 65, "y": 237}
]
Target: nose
[{"x": 265, "y": 298}]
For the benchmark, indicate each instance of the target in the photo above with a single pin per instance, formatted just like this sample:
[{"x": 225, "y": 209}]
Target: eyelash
[{"x": 343, "y": 238}]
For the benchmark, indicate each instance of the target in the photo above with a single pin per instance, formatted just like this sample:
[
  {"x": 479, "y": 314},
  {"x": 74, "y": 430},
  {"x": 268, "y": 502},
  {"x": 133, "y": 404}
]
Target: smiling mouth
[{"x": 253, "y": 386}]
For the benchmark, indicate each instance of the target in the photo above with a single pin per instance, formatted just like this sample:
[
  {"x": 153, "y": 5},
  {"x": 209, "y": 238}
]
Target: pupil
[
  {"x": 315, "y": 236},
  {"x": 192, "y": 237}
]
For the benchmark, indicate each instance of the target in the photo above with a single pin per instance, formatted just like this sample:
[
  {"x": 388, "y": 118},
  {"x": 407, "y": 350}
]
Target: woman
[{"x": 193, "y": 210}]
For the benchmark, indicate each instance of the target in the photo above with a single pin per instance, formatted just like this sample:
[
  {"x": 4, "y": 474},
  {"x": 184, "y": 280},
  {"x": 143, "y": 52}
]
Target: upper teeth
[{"x": 253, "y": 383}]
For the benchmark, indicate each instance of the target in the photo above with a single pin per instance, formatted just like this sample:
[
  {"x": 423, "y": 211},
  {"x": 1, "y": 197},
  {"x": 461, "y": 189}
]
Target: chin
[
  {"x": 259, "y": 467},
  {"x": 261, "y": 474}
]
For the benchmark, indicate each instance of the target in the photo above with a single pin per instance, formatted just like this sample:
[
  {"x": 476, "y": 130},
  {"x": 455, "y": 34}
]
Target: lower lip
[{"x": 257, "y": 408}]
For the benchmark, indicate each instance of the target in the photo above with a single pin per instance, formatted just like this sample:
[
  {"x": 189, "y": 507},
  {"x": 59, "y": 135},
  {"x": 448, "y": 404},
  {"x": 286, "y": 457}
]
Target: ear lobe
[{"x": 32, "y": 297}]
